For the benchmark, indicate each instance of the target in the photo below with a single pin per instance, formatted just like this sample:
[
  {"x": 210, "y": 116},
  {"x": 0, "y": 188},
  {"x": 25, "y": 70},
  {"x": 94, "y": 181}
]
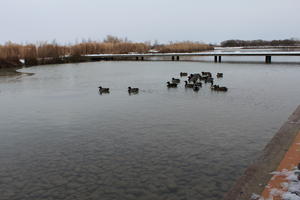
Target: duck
[
  {"x": 206, "y": 74},
  {"x": 133, "y": 90},
  {"x": 223, "y": 89},
  {"x": 203, "y": 78},
  {"x": 103, "y": 90},
  {"x": 214, "y": 87},
  {"x": 209, "y": 80},
  {"x": 183, "y": 73},
  {"x": 198, "y": 84},
  {"x": 175, "y": 80},
  {"x": 218, "y": 88},
  {"x": 219, "y": 75},
  {"x": 197, "y": 75},
  {"x": 188, "y": 85},
  {"x": 171, "y": 85},
  {"x": 196, "y": 88},
  {"x": 193, "y": 78}
]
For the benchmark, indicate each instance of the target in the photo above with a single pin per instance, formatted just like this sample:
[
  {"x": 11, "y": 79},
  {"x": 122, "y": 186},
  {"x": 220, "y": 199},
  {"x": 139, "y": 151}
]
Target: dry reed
[
  {"x": 184, "y": 47},
  {"x": 111, "y": 45}
]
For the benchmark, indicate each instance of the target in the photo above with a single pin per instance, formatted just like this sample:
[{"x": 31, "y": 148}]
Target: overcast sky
[{"x": 210, "y": 21}]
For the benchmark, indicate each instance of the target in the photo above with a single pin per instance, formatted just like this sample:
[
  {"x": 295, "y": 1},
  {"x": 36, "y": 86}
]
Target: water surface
[{"x": 60, "y": 139}]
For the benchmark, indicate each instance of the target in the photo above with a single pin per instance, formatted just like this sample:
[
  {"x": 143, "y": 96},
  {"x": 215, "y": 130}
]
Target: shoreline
[
  {"x": 7, "y": 72},
  {"x": 257, "y": 175},
  {"x": 9, "y": 67},
  {"x": 13, "y": 72}
]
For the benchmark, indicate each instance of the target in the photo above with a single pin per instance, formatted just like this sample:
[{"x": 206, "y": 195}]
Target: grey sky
[{"x": 141, "y": 20}]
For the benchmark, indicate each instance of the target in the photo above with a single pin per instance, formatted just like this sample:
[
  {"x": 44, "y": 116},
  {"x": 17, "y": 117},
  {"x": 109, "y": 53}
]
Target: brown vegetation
[
  {"x": 9, "y": 55},
  {"x": 184, "y": 47},
  {"x": 46, "y": 53},
  {"x": 108, "y": 48},
  {"x": 10, "y": 63}
]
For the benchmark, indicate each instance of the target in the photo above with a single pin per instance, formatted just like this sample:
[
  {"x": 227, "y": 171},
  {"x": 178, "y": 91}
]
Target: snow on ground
[{"x": 290, "y": 189}]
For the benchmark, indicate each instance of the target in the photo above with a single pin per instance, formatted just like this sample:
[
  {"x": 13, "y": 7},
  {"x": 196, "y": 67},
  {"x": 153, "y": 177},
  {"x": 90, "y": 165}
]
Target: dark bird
[
  {"x": 218, "y": 88},
  {"x": 183, "y": 74},
  {"x": 103, "y": 90},
  {"x": 196, "y": 88},
  {"x": 175, "y": 80},
  {"x": 198, "y": 84},
  {"x": 171, "y": 85},
  {"x": 133, "y": 90},
  {"x": 219, "y": 75},
  {"x": 188, "y": 85}
]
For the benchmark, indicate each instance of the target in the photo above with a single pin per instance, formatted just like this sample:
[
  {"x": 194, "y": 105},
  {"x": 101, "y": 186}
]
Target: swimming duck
[
  {"x": 218, "y": 88},
  {"x": 196, "y": 88},
  {"x": 133, "y": 90},
  {"x": 188, "y": 85},
  {"x": 206, "y": 74},
  {"x": 209, "y": 80},
  {"x": 175, "y": 80},
  {"x": 223, "y": 89},
  {"x": 103, "y": 90},
  {"x": 183, "y": 74},
  {"x": 171, "y": 85},
  {"x": 199, "y": 84},
  {"x": 219, "y": 75}
]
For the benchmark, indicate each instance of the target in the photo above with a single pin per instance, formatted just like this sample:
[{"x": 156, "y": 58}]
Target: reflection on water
[{"x": 60, "y": 139}]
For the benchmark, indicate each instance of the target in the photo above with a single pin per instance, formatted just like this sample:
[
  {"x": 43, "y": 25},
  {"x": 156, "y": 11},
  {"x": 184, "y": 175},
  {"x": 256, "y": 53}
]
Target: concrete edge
[{"x": 257, "y": 175}]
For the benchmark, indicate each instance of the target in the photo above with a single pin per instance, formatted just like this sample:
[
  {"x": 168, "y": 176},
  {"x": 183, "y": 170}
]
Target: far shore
[
  {"x": 9, "y": 67},
  {"x": 9, "y": 72},
  {"x": 14, "y": 56}
]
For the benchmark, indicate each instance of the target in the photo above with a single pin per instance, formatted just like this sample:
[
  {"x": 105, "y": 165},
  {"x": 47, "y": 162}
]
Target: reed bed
[
  {"x": 30, "y": 51},
  {"x": 44, "y": 52},
  {"x": 184, "y": 47},
  {"x": 108, "y": 48},
  {"x": 11, "y": 51}
]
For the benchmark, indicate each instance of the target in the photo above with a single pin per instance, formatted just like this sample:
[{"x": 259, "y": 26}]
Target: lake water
[{"x": 61, "y": 139}]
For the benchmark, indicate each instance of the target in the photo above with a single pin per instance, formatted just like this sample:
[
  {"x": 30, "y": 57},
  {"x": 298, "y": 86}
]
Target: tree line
[{"x": 245, "y": 43}]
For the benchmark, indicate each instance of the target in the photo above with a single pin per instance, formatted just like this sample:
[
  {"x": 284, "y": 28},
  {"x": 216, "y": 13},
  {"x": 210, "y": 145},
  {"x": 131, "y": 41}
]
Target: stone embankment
[{"x": 270, "y": 175}]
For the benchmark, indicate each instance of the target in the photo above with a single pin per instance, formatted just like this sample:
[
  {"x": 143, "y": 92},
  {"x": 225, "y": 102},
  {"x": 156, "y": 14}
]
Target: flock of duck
[
  {"x": 194, "y": 81},
  {"x": 130, "y": 90}
]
